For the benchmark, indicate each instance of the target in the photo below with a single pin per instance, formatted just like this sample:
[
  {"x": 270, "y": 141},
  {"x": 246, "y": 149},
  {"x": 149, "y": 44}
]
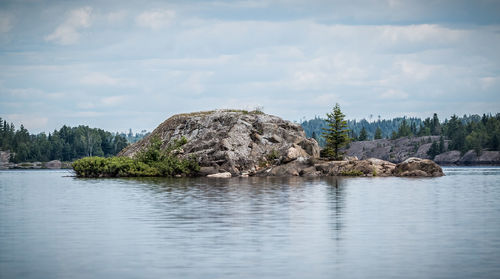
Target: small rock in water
[{"x": 220, "y": 175}]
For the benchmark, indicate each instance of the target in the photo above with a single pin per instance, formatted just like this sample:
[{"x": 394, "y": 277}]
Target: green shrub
[
  {"x": 351, "y": 173},
  {"x": 273, "y": 155},
  {"x": 150, "y": 162}
]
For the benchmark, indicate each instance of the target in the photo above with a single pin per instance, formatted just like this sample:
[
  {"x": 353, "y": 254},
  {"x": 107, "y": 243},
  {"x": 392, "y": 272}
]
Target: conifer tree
[
  {"x": 336, "y": 134},
  {"x": 378, "y": 133},
  {"x": 362, "y": 135}
]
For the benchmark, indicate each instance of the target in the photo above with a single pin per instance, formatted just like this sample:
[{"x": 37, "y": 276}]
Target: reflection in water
[
  {"x": 52, "y": 226},
  {"x": 335, "y": 195}
]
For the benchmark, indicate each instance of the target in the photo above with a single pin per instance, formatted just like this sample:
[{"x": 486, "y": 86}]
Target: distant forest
[
  {"x": 65, "y": 144},
  {"x": 466, "y": 133}
]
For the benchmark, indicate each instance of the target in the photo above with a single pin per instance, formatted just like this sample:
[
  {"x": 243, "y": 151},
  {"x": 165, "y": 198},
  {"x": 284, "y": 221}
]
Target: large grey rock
[
  {"x": 233, "y": 141},
  {"x": 418, "y": 167},
  {"x": 484, "y": 158},
  {"x": 449, "y": 157}
]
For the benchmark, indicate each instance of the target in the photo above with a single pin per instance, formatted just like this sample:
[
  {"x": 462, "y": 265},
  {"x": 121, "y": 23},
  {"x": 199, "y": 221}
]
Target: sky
[{"x": 117, "y": 65}]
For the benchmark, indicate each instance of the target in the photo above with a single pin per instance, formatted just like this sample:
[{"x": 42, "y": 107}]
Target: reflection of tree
[{"x": 336, "y": 202}]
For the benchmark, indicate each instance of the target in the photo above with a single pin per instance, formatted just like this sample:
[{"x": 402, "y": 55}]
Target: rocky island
[{"x": 228, "y": 143}]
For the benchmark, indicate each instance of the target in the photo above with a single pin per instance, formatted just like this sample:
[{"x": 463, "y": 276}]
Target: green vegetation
[
  {"x": 336, "y": 134},
  {"x": 65, "y": 144},
  {"x": 352, "y": 173},
  {"x": 363, "y": 135},
  {"x": 378, "y": 133},
  {"x": 273, "y": 155},
  {"x": 151, "y": 162}
]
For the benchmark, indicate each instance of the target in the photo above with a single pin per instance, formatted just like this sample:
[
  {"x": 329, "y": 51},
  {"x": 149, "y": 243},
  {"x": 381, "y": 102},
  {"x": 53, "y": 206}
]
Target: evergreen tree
[
  {"x": 433, "y": 150},
  {"x": 441, "y": 148},
  {"x": 435, "y": 126},
  {"x": 362, "y": 135},
  {"x": 394, "y": 135},
  {"x": 336, "y": 134},
  {"x": 378, "y": 133},
  {"x": 404, "y": 130}
]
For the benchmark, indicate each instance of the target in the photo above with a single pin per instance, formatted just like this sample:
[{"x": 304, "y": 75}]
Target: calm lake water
[{"x": 56, "y": 226}]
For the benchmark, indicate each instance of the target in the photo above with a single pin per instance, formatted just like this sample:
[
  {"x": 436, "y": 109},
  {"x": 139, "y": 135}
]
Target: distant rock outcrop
[
  {"x": 4, "y": 160},
  {"x": 469, "y": 158},
  {"x": 399, "y": 150},
  {"x": 238, "y": 143},
  {"x": 396, "y": 150}
]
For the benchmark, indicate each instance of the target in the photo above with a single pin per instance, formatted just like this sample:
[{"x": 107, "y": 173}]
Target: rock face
[
  {"x": 398, "y": 150},
  {"x": 4, "y": 160},
  {"x": 233, "y": 141}
]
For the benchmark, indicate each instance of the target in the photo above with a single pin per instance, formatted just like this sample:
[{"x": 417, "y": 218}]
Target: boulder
[
  {"x": 294, "y": 152},
  {"x": 54, "y": 164},
  {"x": 220, "y": 175},
  {"x": 447, "y": 158},
  {"x": 418, "y": 167},
  {"x": 232, "y": 141}
]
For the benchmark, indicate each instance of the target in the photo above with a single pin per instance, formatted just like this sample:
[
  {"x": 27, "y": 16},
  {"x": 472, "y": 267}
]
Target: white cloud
[
  {"x": 155, "y": 19},
  {"x": 30, "y": 122},
  {"x": 116, "y": 17},
  {"x": 394, "y": 94},
  {"x": 99, "y": 79},
  {"x": 112, "y": 100},
  {"x": 68, "y": 32}
]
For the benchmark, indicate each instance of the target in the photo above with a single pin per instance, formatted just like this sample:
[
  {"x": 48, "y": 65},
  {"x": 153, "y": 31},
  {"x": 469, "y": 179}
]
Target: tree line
[
  {"x": 65, "y": 144},
  {"x": 470, "y": 132}
]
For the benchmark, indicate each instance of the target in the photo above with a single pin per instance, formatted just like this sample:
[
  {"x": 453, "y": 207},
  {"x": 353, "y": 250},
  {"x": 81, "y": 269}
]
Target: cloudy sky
[{"x": 132, "y": 65}]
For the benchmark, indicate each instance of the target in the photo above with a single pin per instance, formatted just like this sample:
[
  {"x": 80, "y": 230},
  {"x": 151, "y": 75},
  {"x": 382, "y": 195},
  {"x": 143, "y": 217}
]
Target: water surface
[{"x": 56, "y": 226}]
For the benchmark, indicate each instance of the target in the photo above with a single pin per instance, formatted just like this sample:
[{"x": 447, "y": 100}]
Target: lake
[{"x": 53, "y": 225}]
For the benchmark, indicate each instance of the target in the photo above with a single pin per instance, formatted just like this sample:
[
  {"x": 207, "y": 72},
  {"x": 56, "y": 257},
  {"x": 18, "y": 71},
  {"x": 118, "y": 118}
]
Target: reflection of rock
[{"x": 418, "y": 167}]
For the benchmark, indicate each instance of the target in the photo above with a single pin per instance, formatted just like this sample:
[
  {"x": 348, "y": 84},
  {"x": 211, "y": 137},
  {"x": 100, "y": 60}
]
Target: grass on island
[{"x": 151, "y": 162}]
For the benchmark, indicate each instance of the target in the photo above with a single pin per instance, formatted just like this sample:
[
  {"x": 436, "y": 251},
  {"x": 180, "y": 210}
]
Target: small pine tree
[
  {"x": 378, "y": 133},
  {"x": 441, "y": 145},
  {"x": 435, "y": 126},
  {"x": 362, "y": 135},
  {"x": 433, "y": 150},
  {"x": 336, "y": 134}
]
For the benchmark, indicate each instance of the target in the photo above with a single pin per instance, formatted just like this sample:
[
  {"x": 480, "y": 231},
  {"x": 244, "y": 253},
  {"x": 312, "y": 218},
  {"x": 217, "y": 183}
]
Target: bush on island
[{"x": 151, "y": 162}]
